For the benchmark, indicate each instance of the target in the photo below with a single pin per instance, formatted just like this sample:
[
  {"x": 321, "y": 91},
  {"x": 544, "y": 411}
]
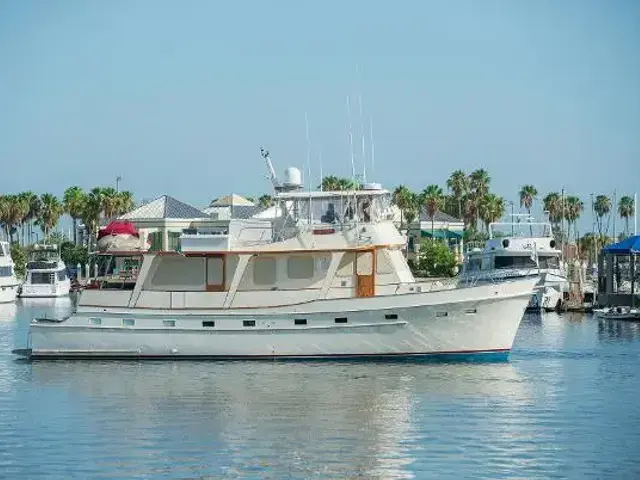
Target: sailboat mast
[{"x": 353, "y": 163}]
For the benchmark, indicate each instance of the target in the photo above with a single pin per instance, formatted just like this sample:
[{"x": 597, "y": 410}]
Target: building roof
[
  {"x": 164, "y": 207},
  {"x": 438, "y": 217},
  {"x": 232, "y": 200}
]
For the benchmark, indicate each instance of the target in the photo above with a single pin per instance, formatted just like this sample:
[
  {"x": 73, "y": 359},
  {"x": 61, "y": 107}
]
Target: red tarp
[{"x": 118, "y": 227}]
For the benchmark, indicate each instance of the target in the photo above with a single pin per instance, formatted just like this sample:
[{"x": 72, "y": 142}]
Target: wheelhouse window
[
  {"x": 6, "y": 271},
  {"x": 300, "y": 267},
  {"x": 515, "y": 262},
  {"x": 264, "y": 271},
  {"x": 62, "y": 276},
  {"x": 549, "y": 261}
]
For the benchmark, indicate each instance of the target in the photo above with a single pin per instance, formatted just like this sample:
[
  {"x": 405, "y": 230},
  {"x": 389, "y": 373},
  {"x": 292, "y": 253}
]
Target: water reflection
[
  {"x": 8, "y": 312},
  {"x": 349, "y": 417},
  {"x": 609, "y": 330}
]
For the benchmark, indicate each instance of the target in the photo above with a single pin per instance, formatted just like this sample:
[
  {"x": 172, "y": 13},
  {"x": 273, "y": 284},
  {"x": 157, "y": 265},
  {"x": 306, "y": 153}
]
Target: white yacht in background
[
  {"x": 46, "y": 274},
  {"x": 9, "y": 284},
  {"x": 326, "y": 278},
  {"x": 520, "y": 249}
]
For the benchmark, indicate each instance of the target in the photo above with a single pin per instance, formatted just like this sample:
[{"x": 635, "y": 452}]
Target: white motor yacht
[
  {"x": 325, "y": 279},
  {"x": 46, "y": 274},
  {"x": 9, "y": 284},
  {"x": 520, "y": 249}
]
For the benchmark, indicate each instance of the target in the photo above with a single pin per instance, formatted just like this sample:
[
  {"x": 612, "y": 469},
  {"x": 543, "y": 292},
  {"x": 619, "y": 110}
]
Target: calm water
[{"x": 567, "y": 405}]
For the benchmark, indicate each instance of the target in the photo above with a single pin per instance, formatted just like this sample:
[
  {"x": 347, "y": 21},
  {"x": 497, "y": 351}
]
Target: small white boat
[
  {"x": 46, "y": 274},
  {"x": 617, "y": 313},
  {"x": 9, "y": 284},
  {"x": 531, "y": 253},
  {"x": 325, "y": 279}
]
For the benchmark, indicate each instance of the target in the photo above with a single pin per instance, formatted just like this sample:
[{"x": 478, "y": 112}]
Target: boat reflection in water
[{"x": 349, "y": 419}]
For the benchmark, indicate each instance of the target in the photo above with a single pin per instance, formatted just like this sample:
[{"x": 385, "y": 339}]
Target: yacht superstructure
[
  {"x": 9, "y": 284},
  {"x": 46, "y": 274},
  {"x": 326, "y": 278},
  {"x": 520, "y": 249}
]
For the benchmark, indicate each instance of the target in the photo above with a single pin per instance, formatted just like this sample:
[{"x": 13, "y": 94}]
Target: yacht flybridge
[
  {"x": 8, "y": 282},
  {"x": 519, "y": 249},
  {"x": 46, "y": 274},
  {"x": 326, "y": 277}
]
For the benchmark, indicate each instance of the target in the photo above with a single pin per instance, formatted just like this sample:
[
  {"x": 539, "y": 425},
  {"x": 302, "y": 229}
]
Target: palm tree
[
  {"x": 433, "y": 199},
  {"x": 51, "y": 211},
  {"x": 21, "y": 211},
  {"x": 265, "y": 201},
  {"x": 527, "y": 194},
  {"x": 458, "y": 185},
  {"x": 479, "y": 181},
  {"x": 573, "y": 209},
  {"x": 553, "y": 206},
  {"x": 626, "y": 209},
  {"x": 124, "y": 202},
  {"x": 109, "y": 197},
  {"x": 73, "y": 201},
  {"x": 333, "y": 183},
  {"x": 91, "y": 212},
  {"x": 4, "y": 212},
  {"x": 404, "y": 199},
  {"x": 602, "y": 207},
  {"x": 491, "y": 209},
  {"x": 12, "y": 215}
]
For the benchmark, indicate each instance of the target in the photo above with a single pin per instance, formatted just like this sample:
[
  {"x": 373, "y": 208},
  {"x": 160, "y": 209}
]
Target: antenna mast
[
  {"x": 306, "y": 128},
  {"x": 272, "y": 172},
  {"x": 353, "y": 163},
  {"x": 364, "y": 154},
  {"x": 373, "y": 156}
]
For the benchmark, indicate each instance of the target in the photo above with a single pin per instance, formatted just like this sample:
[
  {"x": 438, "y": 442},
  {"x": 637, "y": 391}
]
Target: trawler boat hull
[
  {"x": 479, "y": 322},
  {"x": 54, "y": 290},
  {"x": 8, "y": 293}
]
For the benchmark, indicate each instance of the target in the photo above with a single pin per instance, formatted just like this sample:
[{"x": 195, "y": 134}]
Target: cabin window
[
  {"x": 264, "y": 271},
  {"x": 42, "y": 278},
  {"x": 391, "y": 316},
  {"x": 128, "y": 322},
  {"x": 383, "y": 265},
  {"x": 300, "y": 267},
  {"x": 471, "y": 311},
  {"x": 365, "y": 263},
  {"x": 341, "y": 320},
  {"x": 248, "y": 323},
  {"x": 442, "y": 314},
  {"x": 215, "y": 267},
  {"x": 208, "y": 323},
  {"x": 345, "y": 269},
  {"x": 300, "y": 321},
  {"x": 168, "y": 323},
  {"x": 95, "y": 321},
  {"x": 179, "y": 274},
  {"x": 548, "y": 261},
  {"x": 515, "y": 262},
  {"x": 6, "y": 271}
]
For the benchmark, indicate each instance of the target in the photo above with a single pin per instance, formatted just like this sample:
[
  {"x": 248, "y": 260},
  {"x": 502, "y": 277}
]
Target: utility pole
[{"x": 118, "y": 178}]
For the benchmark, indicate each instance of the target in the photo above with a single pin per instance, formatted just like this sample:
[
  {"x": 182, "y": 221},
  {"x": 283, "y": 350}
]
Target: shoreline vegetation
[{"x": 467, "y": 197}]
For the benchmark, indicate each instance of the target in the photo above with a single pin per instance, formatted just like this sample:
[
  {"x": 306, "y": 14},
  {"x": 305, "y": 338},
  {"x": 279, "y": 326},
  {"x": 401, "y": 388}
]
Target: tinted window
[
  {"x": 515, "y": 262},
  {"x": 548, "y": 261}
]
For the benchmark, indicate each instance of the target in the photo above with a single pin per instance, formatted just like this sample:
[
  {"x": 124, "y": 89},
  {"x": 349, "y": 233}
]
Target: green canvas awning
[{"x": 440, "y": 234}]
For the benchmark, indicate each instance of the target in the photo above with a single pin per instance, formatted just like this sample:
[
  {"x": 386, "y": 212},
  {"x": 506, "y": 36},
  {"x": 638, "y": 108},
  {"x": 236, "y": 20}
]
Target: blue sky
[{"x": 178, "y": 97}]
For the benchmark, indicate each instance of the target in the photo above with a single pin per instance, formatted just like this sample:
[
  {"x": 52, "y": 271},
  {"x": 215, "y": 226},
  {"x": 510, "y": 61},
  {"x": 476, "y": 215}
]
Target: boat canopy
[
  {"x": 628, "y": 246},
  {"x": 441, "y": 233}
]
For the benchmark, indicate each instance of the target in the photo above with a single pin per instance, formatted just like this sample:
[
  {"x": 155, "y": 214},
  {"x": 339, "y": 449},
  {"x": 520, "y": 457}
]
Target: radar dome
[{"x": 292, "y": 177}]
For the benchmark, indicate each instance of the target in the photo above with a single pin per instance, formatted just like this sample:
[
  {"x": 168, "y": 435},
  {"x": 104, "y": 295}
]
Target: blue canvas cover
[{"x": 626, "y": 247}]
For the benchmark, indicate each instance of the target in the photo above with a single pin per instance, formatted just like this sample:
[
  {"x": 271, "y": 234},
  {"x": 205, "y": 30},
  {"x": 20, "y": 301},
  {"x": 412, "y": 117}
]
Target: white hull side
[
  {"x": 472, "y": 325},
  {"x": 54, "y": 290},
  {"x": 8, "y": 293}
]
